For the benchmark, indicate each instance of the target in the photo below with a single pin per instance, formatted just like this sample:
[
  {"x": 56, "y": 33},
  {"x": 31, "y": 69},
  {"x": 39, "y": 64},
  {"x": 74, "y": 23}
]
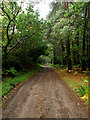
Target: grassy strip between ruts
[
  {"x": 9, "y": 83},
  {"x": 76, "y": 81}
]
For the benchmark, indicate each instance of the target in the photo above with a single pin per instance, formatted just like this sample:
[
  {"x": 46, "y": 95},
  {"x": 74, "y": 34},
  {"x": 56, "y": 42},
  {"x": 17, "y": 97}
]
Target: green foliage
[
  {"x": 88, "y": 72},
  {"x": 6, "y": 87},
  {"x": 83, "y": 88},
  {"x": 75, "y": 67},
  {"x": 10, "y": 72},
  {"x": 27, "y": 39},
  {"x": 56, "y": 65},
  {"x": 61, "y": 66},
  {"x": 68, "y": 25},
  {"x": 44, "y": 59},
  {"x": 10, "y": 83}
]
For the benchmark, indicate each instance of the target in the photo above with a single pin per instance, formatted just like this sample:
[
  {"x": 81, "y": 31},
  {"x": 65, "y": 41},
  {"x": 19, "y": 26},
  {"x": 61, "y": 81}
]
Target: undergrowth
[
  {"x": 76, "y": 80},
  {"x": 11, "y": 82}
]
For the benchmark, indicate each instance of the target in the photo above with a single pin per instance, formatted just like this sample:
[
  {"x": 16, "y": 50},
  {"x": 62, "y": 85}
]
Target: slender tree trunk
[
  {"x": 65, "y": 5},
  {"x": 59, "y": 53},
  {"x": 51, "y": 61},
  {"x": 54, "y": 54},
  {"x": 88, "y": 43},
  {"x": 68, "y": 54},
  {"x": 62, "y": 50},
  {"x": 62, "y": 61},
  {"x": 77, "y": 41},
  {"x": 73, "y": 54},
  {"x": 83, "y": 47},
  {"x": 78, "y": 47},
  {"x": 88, "y": 61}
]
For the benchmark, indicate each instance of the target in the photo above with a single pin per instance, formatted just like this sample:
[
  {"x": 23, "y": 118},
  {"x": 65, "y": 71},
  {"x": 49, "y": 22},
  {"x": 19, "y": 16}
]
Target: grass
[{"x": 10, "y": 83}]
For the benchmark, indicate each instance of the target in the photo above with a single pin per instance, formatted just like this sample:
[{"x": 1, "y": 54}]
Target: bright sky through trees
[{"x": 42, "y": 6}]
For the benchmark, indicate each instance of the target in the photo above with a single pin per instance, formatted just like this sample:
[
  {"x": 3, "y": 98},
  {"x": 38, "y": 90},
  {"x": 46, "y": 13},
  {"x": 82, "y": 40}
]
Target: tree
[
  {"x": 69, "y": 30},
  {"x": 24, "y": 40},
  {"x": 84, "y": 34},
  {"x": 10, "y": 10}
]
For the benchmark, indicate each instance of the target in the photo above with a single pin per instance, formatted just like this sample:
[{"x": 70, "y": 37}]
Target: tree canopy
[
  {"x": 22, "y": 35},
  {"x": 69, "y": 33}
]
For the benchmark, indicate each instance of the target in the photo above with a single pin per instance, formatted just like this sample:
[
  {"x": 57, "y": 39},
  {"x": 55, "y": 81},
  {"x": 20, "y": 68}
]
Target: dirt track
[{"x": 44, "y": 96}]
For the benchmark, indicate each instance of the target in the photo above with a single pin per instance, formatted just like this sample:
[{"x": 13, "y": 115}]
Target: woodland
[{"x": 28, "y": 42}]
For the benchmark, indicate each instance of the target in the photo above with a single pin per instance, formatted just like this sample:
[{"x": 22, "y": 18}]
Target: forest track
[{"x": 44, "y": 96}]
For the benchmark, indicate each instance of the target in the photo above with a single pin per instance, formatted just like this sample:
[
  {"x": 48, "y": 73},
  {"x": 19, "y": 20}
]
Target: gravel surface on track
[{"x": 44, "y": 96}]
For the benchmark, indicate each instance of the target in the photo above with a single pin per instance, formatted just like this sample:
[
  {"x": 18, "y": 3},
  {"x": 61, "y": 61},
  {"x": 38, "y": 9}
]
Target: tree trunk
[
  {"x": 77, "y": 41},
  {"x": 68, "y": 54},
  {"x": 88, "y": 60},
  {"x": 62, "y": 50},
  {"x": 88, "y": 43},
  {"x": 54, "y": 54},
  {"x": 77, "y": 38},
  {"x": 73, "y": 54},
  {"x": 83, "y": 47}
]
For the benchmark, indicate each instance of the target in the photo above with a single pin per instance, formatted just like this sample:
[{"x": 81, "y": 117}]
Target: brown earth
[{"x": 44, "y": 96}]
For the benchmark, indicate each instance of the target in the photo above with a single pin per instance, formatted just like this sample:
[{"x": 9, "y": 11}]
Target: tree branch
[
  {"x": 5, "y": 11},
  {"x": 10, "y": 20},
  {"x": 13, "y": 47}
]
